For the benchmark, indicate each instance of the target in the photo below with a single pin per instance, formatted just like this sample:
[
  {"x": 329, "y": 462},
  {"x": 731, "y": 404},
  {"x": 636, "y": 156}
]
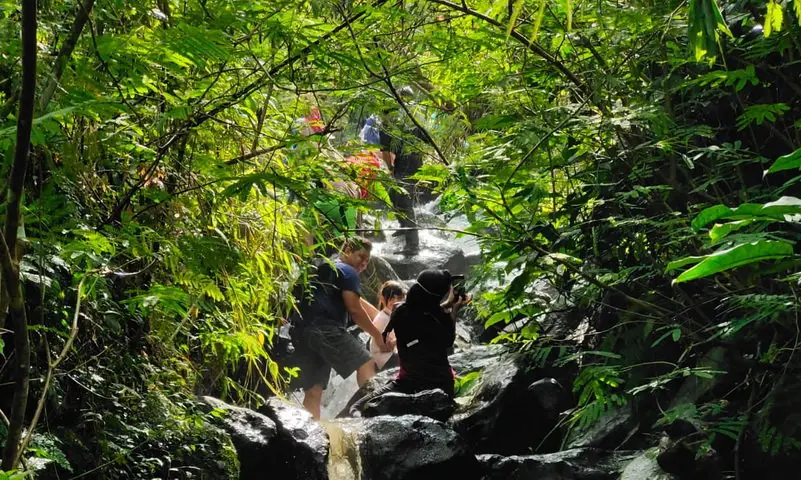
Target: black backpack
[{"x": 323, "y": 279}]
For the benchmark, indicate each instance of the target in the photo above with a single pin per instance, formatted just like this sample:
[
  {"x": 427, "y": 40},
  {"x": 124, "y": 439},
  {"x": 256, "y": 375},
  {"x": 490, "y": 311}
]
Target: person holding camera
[{"x": 425, "y": 329}]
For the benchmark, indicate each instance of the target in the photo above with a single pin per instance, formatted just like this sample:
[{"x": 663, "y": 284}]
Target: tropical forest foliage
[{"x": 642, "y": 156}]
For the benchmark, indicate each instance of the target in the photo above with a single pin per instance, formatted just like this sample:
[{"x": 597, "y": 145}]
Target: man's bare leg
[
  {"x": 365, "y": 372},
  {"x": 312, "y": 399}
]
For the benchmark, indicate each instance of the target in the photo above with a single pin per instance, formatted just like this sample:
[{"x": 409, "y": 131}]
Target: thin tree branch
[
  {"x": 386, "y": 78},
  {"x": 65, "y": 53},
  {"x": 543, "y": 140},
  {"x": 532, "y": 45},
  {"x": 51, "y": 367}
]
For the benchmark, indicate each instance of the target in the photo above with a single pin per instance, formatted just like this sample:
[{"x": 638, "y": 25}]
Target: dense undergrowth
[{"x": 641, "y": 156}]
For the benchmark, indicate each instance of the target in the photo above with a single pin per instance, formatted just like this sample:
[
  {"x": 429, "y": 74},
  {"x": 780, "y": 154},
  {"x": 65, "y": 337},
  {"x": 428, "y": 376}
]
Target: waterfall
[{"x": 344, "y": 459}]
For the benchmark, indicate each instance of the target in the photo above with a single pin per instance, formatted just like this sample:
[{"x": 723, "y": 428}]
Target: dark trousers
[{"x": 405, "y": 167}]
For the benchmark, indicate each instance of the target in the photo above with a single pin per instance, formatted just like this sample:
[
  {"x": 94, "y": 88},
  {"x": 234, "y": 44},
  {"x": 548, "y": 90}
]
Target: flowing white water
[
  {"x": 434, "y": 241},
  {"x": 344, "y": 460}
]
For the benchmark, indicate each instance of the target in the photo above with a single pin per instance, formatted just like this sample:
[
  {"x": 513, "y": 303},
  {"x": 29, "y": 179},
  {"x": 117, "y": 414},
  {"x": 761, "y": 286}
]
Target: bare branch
[{"x": 65, "y": 53}]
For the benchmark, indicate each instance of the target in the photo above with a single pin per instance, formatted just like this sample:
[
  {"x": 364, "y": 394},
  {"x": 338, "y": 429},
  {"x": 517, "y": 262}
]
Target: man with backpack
[{"x": 320, "y": 335}]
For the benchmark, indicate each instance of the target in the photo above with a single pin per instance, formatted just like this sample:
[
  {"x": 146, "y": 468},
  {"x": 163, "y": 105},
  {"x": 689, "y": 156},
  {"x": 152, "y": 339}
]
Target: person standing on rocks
[
  {"x": 404, "y": 159},
  {"x": 320, "y": 335}
]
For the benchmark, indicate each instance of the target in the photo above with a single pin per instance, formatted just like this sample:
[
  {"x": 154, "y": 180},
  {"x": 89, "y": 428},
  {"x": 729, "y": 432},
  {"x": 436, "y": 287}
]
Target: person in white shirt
[{"x": 390, "y": 294}]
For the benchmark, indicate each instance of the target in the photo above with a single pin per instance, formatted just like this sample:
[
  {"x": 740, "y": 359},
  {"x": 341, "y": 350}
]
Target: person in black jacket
[{"x": 425, "y": 328}]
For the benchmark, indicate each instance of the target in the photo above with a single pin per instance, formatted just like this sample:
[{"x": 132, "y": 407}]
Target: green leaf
[
  {"x": 760, "y": 113},
  {"x": 797, "y": 6},
  {"x": 777, "y": 210},
  {"x": 674, "y": 333},
  {"x": 705, "y": 23},
  {"x": 709, "y": 215},
  {"x": 676, "y": 264},
  {"x": 601, "y": 353},
  {"x": 518, "y": 7},
  {"x": 773, "y": 19},
  {"x": 538, "y": 21},
  {"x": 737, "y": 256},
  {"x": 502, "y": 316},
  {"x": 786, "y": 162},
  {"x": 720, "y": 231},
  {"x": 464, "y": 384}
]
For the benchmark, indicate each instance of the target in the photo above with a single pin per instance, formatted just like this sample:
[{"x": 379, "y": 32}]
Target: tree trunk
[{"x": 11, "y": 282}]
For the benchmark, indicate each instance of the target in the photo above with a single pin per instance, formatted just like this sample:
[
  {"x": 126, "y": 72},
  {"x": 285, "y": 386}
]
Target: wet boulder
[
  {"x": 377, "y": 272},
  {"x": 575, "y": 464},
  {"x": 610, "y": 431},
  {"x": 508, "y": 411},
  {"x": 645, "y": 467},
  {"x": 252, "y": 434},
  {"x": 301, "y": 444},
  {"x": 401, "y": 448},
  {"x": 434, "y": 404},
  {"x": 475, "y": 358}
]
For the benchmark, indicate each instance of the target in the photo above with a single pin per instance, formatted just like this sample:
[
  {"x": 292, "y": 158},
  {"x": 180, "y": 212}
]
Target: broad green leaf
[
  {"x": 709, "y": 215},
  {"x": 466, "y": 383},
  {"x": 502, "y": 316},
  {"x": 705, "y": 23},
  {"x": 720, "y": 231},
  {"x": 676, "y": 264},
  {"x": 777, "y": 210},
  {"x": 786, "y": 162},
  {"x": 773, "y": 19},
  {"x": 736, "y": 257},
  {"x": 561, "y": 257}
]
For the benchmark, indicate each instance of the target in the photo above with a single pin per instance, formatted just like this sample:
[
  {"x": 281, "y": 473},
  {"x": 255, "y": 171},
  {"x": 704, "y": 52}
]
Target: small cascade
[
  {"x": 344, "y": 459},
  {"x": 337, "y": 395},
  {"x": 438, "y": 246}
]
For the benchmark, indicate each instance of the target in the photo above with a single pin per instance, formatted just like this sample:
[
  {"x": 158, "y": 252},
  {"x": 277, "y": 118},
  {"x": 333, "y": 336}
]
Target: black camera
[{"x": 458, "y": 286}]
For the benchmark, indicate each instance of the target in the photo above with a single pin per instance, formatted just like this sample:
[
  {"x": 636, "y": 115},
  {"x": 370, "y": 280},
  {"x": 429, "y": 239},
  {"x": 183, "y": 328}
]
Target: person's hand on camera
[{"x": 461, "y": 301}]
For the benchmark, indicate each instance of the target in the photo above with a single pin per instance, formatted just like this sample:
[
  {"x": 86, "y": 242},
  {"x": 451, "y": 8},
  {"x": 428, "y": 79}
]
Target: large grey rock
[
  {"x": 576, "y": 464},
  {"x": 645, "y": 467},
  {"x": 404, "y": 448},
  {"x": 435, "y": 404},
  {"x": 253, "y": 435},
  {"x": 475, "y": 358},
  {"x": 302, "y": 444},
  {"x": 608, "y": 432},
  {"x": 377, "y": 272},
  {"x": 434, "y": 253},
  {"x": 505, "y": 413}
]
